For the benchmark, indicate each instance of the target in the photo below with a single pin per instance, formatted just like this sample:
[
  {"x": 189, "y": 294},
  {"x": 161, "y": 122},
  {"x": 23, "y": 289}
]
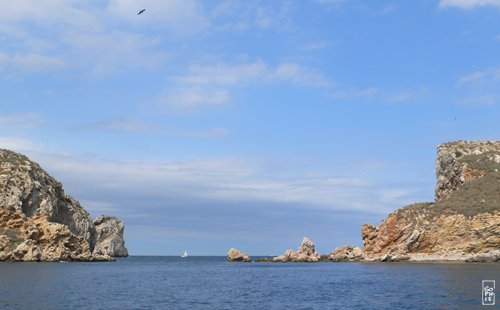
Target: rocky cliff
[
  {"x": 109, "y": 236},
  {"x": 463, "y": 223},
  {"x": 39, "y": 222},
  {"x": 462, "y": 162}
]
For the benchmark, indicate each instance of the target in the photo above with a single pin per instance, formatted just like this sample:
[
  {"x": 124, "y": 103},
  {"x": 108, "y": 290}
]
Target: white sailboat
[{"x": 185, "y": 254}]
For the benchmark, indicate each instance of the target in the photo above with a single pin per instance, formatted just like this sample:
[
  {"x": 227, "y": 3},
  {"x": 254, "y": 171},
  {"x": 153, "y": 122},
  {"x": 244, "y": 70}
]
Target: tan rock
[
  {"x": 31, "y": 191},
  {"x": 109, "y": 237},
  {"x": 463, "y": 224},
  {"x": 451, "y": 173},
  {"x": 346, "y": 254},
  {"x": 38, "y": 221},
  {"x": 306, "y": 253},
  {"x": 286, "y": 257},
  {"x": 235, "y": 255},
  {"x": 4, "y": 242}
]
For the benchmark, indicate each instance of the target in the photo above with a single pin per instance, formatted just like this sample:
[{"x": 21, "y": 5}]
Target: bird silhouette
[{"x": 141, "y": 11}]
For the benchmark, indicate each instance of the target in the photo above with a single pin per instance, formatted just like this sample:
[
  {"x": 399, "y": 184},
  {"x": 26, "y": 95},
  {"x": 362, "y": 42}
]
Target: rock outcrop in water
[
  {"x": 235, "y": 255},
  {"x": 109, "y": 236},
  {"x": 345, "y": 254},
  {"x": 306, "y": 253},
  {"x": 463, "y": 223},
  {"x": 39, "y": 222}
]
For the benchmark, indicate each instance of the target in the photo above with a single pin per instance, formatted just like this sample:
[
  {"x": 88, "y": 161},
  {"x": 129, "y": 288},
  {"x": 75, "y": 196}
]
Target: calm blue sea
[{"x": 213, "y": 283}]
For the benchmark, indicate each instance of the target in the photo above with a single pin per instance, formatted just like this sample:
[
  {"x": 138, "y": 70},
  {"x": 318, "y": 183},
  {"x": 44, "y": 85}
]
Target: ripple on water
[{"x": 212, "y": 283}]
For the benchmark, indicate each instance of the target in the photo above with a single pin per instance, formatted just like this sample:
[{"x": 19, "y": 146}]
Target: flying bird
[{"x": 141, "y": 11}]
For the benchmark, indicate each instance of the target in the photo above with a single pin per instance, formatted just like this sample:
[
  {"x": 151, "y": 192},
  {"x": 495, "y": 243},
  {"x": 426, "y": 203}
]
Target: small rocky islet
[
  {"x": 39, "y": 222},
  {"x": 462, "y": 224}
]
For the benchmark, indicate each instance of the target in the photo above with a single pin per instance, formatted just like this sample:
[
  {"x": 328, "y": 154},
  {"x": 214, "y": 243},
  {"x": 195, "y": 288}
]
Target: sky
[{"x": 207, "y": 125}]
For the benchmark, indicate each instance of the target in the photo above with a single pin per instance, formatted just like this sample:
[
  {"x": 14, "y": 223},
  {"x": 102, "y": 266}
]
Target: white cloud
[
  {"x": 406, "y": 95},
  {"x": 481, "y": 77},
  {"x": 49, "y": 12},
  {"x": 210, "y": 85},
  {"x": 301, "y": 75},
  {"x": 132, "y": 126},
  {"x": 224, "y": 74},
  {"x": 372, "y": 93},
  {"x": 468, "y": 4},
  {"x": 233, "y": 15},
  {"x": 213, "y": 133},
  {"x": 224, "y": 180},
  {"x": 480, "y": 88},
  {"x": 180, "y": 16},
  {"x": 16, "y": 144},
  {"x": 114, "y": 51},
  {"x": 101, "y": 207},
  {"x": 125, "y": 125},
  {"x": 274, "y": 17},
  {"x": 315, "y": 45},
  {"x": 22, "y": 39},
  {"x": 473, "y": 77},
  {"x": 32, "y": 62},
  {"x": 329, "y": 1},
  {"x": 27, "y": 120},
  {"x": 191, "y": 98},
  {"x": 258, "y": 71},
  {"x": 369, "y": 92},
  {"x": 37, "y": 62},
  {"x": 83, "y": 35},
  {"x": 4, "y": 59},
  {"x": 479, "y": 100},
  {"x": 389, "y": 8}
]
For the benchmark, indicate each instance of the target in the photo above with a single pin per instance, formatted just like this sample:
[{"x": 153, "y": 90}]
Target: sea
[{"x": 163, "y": 282}]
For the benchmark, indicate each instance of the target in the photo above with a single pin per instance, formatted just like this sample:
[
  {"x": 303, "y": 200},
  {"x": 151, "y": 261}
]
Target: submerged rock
[{"x": 235, "y": 255}]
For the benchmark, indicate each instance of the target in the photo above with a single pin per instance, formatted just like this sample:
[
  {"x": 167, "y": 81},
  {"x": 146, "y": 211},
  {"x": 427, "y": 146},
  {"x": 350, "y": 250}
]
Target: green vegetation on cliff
[{"x": 480, "y": 193}]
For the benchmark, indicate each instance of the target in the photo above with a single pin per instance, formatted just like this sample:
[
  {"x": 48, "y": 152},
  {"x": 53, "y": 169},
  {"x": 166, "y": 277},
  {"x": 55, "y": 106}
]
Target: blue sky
[{"x": 211, "y": 124}]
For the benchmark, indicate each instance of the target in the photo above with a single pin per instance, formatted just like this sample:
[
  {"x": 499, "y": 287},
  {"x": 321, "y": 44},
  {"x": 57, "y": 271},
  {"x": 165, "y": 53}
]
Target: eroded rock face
[
  {"x": 452, "y": 173},
  {"x": 25, "y": 186},
  {"x": 346, "y": 254},
  {"x": 235, "y": 255},
  {"x": 462, "y": 224},
  {"x": 109, "y": 237},
  {"x": 401, "y": 233},
  {"x": 306, "y": 253},
  {"x": 39, "y": 222},
  {"x": 37, "y": 239}
]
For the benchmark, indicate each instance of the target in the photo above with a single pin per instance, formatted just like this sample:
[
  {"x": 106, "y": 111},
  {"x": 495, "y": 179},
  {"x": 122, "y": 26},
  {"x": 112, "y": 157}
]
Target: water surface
[{"x": 212, "y": 283}]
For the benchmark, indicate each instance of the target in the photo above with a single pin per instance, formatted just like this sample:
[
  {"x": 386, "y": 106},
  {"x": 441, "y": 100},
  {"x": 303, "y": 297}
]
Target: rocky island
[
  {"x": 39, "y": 222},
  {"x": 462, "y": 224}
]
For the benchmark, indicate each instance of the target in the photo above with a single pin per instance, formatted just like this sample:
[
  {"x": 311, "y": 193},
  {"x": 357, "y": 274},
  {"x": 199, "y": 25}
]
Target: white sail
[{"x": 185, "y": 254}]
